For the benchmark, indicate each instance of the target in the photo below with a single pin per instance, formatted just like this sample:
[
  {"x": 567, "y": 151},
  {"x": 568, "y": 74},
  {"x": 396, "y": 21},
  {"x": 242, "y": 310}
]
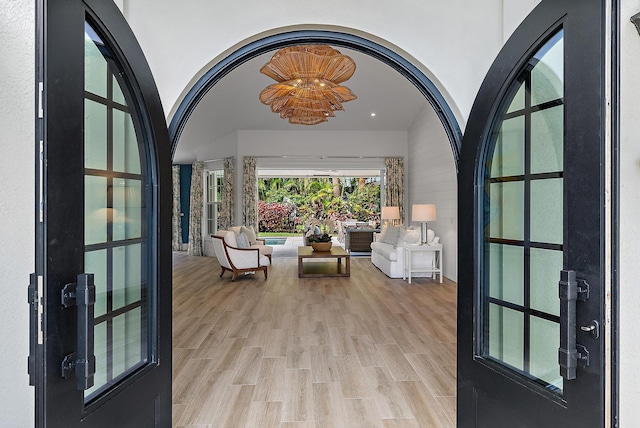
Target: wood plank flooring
[{"x": 364, "y": 351}]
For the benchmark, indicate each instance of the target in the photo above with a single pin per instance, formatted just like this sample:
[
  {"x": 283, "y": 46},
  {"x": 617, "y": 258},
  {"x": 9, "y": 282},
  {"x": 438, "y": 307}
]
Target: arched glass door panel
[
  {"x": 115, "y": 232},
  {"x": 523, "y": 222}
]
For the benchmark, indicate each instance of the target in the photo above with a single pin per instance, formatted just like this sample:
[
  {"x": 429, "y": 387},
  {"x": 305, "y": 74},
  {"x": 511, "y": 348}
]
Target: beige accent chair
[{"x": 237, "y": 260}]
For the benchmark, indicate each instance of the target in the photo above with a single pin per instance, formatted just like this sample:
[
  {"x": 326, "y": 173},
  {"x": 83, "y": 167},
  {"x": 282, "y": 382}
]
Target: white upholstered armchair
[{"x": 237, "y": 260}]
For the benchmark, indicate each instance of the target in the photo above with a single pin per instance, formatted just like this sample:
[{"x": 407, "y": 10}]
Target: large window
[{"x": 215, "y": 182}]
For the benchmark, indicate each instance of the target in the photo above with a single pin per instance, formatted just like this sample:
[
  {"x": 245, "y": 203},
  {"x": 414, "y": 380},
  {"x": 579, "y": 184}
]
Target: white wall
[
  {"x": 629, "y": 215},
  {"x": 453, "y": 42},
  {"x": 16, "y": 208},
  {"x": 432, "y": 180},
  {"x": 513, "y": 13},
  {"x": 200, "y": 147}
]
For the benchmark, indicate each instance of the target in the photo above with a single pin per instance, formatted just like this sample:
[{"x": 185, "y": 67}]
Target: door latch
[
  {"x": 36, "y": 329},
  {"x": 593, "y": 329}
]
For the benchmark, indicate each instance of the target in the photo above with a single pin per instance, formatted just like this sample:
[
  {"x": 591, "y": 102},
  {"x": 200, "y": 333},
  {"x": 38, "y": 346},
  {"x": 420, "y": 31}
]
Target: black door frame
[
  {"x": 334, "y": 38},
  {"x": 59, "y": 234}
]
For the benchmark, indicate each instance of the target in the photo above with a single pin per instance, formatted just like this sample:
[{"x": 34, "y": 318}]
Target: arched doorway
[
  {"x": 392, "y": 59},
  {"x": 266, "y": 44}
]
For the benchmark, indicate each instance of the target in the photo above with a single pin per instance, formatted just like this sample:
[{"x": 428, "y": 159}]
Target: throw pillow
[
  {"x": 392, "y": 236},
  {"x": 243, "y": 241},
  {"x": 383, "y": 232},
  {"x": 251, "y": 235},
  {"x": 411, "y": 236}
]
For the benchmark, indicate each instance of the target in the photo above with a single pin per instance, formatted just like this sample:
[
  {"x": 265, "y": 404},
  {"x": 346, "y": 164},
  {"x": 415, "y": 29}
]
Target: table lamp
[
  {"x": 390, "y": 213},
  {"x": 423, "y": 213}
]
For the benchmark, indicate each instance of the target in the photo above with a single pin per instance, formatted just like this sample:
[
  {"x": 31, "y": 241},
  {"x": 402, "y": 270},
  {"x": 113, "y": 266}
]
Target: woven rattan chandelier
[{"x": 308, "y": 89}]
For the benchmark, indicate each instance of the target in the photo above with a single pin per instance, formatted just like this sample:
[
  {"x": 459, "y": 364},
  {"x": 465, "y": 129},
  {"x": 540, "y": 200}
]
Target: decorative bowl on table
[{"x": 321, "y": 246}]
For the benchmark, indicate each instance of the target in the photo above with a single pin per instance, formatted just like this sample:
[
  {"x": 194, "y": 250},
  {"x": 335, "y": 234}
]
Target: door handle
[
  {"x": 82, "y": 363},
  {"x": 570, "y": 354}
]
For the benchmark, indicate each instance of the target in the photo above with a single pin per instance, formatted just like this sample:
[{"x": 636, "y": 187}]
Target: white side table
[{"x": 410, "y": 250}]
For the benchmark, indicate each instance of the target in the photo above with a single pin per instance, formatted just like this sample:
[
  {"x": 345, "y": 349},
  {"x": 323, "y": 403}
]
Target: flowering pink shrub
[{"x": 275, "y": 217}]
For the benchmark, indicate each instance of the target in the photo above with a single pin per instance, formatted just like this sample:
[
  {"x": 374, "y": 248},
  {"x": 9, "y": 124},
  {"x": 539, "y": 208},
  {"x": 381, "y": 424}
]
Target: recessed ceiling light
[{"x": 373, "y": 115}]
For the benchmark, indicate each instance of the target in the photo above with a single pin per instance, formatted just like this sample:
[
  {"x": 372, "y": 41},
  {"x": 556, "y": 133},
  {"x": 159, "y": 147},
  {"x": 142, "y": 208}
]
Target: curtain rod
[{"x": 217, "y": 160}]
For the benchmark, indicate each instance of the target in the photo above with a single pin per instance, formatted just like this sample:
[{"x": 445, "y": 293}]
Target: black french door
[
  {"x": 531, "y": 299},
  {"x": 101, "y": 294}
]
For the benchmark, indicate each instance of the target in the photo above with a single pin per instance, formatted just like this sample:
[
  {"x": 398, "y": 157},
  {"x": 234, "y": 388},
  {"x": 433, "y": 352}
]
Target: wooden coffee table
[{"x": 322, "y": 269}]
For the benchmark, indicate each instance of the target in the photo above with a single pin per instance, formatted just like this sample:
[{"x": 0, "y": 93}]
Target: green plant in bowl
[{"x": 320, "y": 238}]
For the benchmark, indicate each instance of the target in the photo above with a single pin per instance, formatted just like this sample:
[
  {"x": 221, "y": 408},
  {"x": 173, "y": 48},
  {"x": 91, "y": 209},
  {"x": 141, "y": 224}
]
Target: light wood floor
[{"x": 364, "y": 351}]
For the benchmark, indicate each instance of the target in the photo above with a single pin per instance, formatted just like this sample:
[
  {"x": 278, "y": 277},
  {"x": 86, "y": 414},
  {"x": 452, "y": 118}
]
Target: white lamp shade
[
  {"x": 423, "y": 212},
  {"x": 390, "y": 213}
]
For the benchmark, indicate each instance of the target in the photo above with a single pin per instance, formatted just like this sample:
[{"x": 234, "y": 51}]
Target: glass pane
[
  {"x": 547, "y": 137},
  {"x": 518, "y": 100},
  {"x": 545, "y": 273},
  {"x": 506, "y": 210},
  {"x": 127, "y": 209},
  {"x": 118, "y": 96},
  {"x": 127, "y": 275},
  {"x": 100, "y": 352},
  {"x": 127, "y": 341},
  {"x": 508, "y": 155},
  {"x": 95, "y": 66},
  {"x": 125, "y": 146},
  {"x": 546, "y": 211},
  {"x": 545, "y": 341},
  {"x": 95, "y": 262},
  {"x": 506, "y": 273},
  {"x": 506, "y": 335},
  {"x": 96, "y": 212},
  {"x": 547, "y": 76},
  {"x": 95, "y": 135}
]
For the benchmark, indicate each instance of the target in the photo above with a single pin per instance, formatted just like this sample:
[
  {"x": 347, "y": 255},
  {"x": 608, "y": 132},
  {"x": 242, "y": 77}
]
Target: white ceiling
[{"x": 233, "y": 104}]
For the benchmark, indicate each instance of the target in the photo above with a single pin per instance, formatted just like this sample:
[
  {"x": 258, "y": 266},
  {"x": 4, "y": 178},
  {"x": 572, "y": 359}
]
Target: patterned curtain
[
  {"x": 250, "y": 193},
  {"x": 225, "y": 217},
  {"x": 195, "y": 210},
  {"x": 176, "y": 229},
  {"x": 395, "y": 184}
]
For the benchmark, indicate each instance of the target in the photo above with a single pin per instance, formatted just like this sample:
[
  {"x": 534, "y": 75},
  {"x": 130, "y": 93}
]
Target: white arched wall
[{"x": 453, "y": 42}]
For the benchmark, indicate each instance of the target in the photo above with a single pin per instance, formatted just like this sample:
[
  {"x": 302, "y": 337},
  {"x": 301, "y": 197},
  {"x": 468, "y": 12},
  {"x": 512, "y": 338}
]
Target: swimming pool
[{"x": 275, "y": 241}]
